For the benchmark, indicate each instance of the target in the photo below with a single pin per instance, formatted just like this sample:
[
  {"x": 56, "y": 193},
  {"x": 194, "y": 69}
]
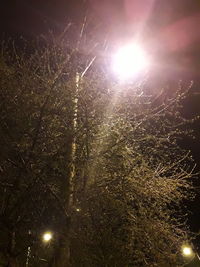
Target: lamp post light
[
  {"x": 187, "y": 251},
  {"x": 190, "y": 255},
  {"x": 129, "y": 61},
  {"x": 47, "y": 236}
]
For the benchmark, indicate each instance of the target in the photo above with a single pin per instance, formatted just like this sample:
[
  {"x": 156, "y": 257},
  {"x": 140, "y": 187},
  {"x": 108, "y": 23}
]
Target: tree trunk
[
  {"x": 12, "y": 259},
  {"x": 62, "y": 253}
]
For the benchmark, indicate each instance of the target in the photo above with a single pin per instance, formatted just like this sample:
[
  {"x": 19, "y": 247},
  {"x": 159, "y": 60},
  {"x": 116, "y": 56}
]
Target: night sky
[{"x": 170, "y": 28}]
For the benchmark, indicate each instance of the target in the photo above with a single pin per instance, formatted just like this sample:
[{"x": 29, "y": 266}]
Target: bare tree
[{"x": 99, "y": 162}]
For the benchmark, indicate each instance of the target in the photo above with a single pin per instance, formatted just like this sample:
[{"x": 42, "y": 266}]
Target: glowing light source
[
  {"x": 47, "y": 236},
  {"x": 129, "y": 61},
  {"x": 187, "y": 251}
]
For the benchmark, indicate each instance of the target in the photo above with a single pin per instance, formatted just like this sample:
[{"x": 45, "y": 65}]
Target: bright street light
[
  {"x": 190, "y": 254},
  {"x": 129, "y": 61},
  {"x": 47, "y": 236},
  {"x": 187, "y": 251}
]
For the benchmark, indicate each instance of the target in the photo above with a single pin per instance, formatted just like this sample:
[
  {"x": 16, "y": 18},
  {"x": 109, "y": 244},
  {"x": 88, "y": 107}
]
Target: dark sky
[
  {"x": 171, "y": 28},
  {"x": 35, "y": 16},
  {"x": 168, "y": 27}
]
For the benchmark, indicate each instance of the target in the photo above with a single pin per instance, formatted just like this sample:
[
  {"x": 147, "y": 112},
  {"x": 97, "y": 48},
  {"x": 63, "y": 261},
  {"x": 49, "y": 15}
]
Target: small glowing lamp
[
  {"x": 187, "y": 251},
  {"x": 47, "y": 236}
]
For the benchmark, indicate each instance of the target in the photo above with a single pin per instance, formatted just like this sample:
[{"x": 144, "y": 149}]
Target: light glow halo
[
  {"x": 129, "y": 61},
  {"x": 47, "y": 236},
  {"x": 187, "y": 251}
]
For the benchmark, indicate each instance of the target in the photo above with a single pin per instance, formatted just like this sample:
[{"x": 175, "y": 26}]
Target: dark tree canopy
[{"x": 97, "y": 162}]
